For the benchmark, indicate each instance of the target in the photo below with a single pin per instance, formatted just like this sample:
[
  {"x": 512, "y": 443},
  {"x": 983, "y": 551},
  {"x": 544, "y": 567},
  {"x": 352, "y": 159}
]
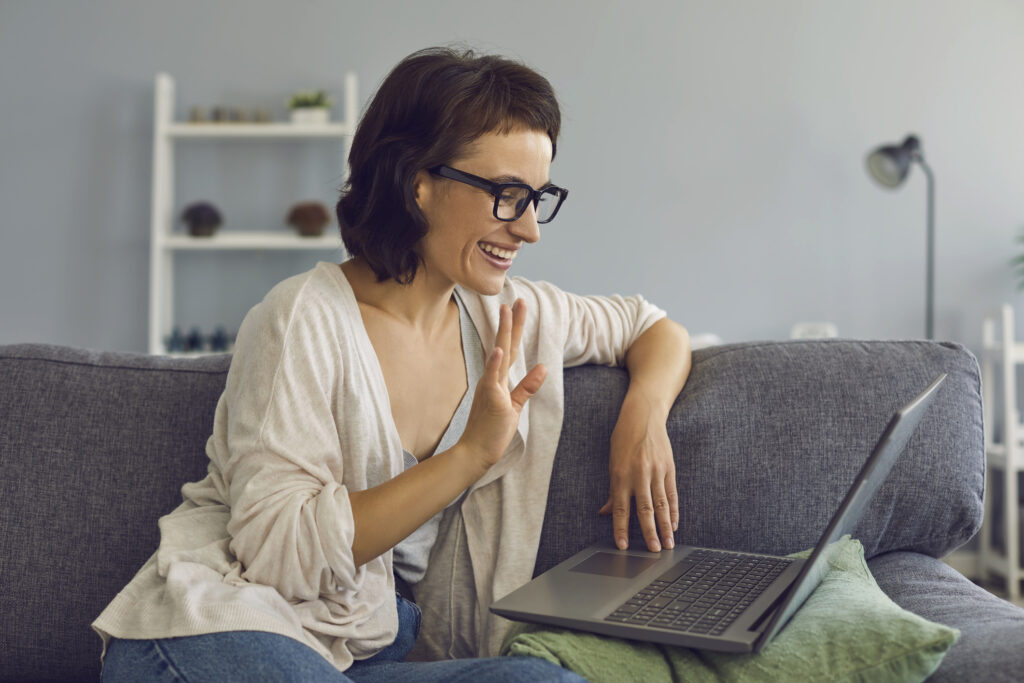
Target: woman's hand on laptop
[
  {"x": 641, "y": 464},
  {"x": 642, "y": 468}
]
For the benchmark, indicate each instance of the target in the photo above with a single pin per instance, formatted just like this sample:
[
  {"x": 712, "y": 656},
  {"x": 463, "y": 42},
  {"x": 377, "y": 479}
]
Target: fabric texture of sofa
[{"x": 94, "y": 447}]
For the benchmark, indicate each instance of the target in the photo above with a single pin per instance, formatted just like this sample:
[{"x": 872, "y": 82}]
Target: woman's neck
[{"x": 425, "y": 304}]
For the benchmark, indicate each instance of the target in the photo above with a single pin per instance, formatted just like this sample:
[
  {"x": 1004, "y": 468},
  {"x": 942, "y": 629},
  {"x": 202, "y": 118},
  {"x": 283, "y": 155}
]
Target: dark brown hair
[{"x": 426, "y": 112}]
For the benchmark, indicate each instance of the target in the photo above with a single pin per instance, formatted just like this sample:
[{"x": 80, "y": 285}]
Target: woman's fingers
[
  {"x": 662, "y": 513},
  {"x": 529, "y": 385},
  {"x": 493, "y": 368},
  {"x": 511, "y": 321},
  {"x": 503, "y": 340},
  {"x": 506, "y": 347},
  {"x": 645, "y": 514},
  {"x": 673, "y": 498},
  {"x": 518, "y": 320},
  {"x": 620, "y": 505}
]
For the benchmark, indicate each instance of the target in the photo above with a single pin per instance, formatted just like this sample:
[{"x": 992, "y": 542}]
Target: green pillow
[{"x": 847, "y": 630}]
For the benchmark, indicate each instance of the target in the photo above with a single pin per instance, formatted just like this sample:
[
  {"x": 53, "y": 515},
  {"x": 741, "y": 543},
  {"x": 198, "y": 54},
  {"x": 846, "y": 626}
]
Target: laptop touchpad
[{"x": 609, "y": 564}]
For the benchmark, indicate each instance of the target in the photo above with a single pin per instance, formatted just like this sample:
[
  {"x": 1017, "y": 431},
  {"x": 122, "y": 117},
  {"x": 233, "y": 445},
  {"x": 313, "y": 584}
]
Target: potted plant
[
  {"x": 202, "y": 219},
  {"x": 309, "y": 218},
  {"x": 309, "y": 107}
]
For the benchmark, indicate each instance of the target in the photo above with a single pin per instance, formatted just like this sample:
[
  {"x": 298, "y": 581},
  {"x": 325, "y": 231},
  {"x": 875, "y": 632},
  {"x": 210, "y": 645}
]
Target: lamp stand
[{"x": 929, "y": 306}]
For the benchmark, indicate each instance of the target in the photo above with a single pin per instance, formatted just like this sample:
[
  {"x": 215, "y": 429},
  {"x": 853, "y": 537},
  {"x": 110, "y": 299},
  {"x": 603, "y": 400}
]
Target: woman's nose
[{"x": 526, "y": 227}]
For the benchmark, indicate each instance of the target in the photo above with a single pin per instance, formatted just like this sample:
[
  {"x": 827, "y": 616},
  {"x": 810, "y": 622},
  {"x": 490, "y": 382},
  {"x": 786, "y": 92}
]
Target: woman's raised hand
[{"x": 494, "y": 416}]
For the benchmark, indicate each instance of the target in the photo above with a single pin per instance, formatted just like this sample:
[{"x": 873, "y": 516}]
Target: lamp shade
[{"x": 889, "y": 164}]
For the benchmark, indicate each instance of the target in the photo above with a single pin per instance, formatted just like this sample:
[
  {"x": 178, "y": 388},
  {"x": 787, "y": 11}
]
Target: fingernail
[
  {"x": 670, "y": 544},
  {"x": 621, "y": 543},
  {"x": 656, "y": 548}
]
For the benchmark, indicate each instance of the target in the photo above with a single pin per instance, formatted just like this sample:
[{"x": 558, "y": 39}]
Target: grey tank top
[{"x": 412, "y": 553}]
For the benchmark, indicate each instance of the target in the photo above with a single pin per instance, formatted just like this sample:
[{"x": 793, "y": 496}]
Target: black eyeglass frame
[{"x": 497, "y": 189}]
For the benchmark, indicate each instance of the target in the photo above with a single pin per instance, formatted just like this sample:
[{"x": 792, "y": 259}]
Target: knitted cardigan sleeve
[
  {"x": 591, "y": 329},
  {"x": 291, "y": 522}
]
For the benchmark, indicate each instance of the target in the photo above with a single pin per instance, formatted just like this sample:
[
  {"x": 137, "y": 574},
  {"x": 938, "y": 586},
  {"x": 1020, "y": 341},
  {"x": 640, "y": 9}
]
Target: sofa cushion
[
  {"x": 769, "y": 436},
  {"x": 847, "y": 630},
  {"x": 94, "y": 447},
  {"x": 991, "y": 645}
]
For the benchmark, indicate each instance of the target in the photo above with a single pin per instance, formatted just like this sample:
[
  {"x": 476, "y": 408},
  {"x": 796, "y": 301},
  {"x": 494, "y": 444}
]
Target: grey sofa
[{"x": 95, "y": 446}]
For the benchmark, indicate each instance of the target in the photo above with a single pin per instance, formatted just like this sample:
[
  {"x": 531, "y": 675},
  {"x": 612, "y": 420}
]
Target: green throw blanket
[{"x": 847, "y": 630}]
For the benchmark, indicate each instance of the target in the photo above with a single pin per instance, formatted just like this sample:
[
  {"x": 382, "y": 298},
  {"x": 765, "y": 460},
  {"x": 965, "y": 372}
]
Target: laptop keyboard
[{"x": 703, "y": 593}]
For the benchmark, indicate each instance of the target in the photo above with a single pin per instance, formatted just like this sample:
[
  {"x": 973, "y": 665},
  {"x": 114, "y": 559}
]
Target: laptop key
[{"x": 660, "y": 601}]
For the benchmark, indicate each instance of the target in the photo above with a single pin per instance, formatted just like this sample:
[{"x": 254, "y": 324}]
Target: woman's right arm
[{"x": 386, "y": 514}]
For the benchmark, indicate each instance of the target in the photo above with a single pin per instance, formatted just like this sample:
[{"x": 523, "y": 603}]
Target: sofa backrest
[
  {"x": 94, "y": 448},
  {"x": 768, "y": 436}
]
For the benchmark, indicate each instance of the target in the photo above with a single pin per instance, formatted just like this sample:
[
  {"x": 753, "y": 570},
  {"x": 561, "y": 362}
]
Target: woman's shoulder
[{"x": 315, "y": 301}]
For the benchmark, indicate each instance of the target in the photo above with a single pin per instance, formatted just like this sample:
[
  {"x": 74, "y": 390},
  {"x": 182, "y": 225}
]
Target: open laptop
[{"x": 700, "y": 597}]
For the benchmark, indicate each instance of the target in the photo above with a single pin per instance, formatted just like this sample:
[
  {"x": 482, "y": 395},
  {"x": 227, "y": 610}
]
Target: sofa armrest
[{"x": 767, "y": 438}]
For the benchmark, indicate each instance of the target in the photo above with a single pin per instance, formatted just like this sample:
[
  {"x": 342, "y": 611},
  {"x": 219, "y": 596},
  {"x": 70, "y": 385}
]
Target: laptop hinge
[{"x": 762, "y": 620}]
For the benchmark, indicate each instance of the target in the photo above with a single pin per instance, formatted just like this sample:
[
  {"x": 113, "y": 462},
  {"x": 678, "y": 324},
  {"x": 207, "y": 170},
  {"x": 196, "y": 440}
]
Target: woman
[{"x": 399, "y": 413}]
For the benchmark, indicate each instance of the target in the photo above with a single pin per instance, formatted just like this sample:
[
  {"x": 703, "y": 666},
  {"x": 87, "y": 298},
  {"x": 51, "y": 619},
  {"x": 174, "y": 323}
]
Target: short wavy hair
[{"x": 431, "y": 106}]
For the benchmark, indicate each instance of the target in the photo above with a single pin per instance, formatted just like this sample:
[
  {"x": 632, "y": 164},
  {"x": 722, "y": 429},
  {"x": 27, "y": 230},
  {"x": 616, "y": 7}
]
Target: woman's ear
[{"x": 422, "y": 187}]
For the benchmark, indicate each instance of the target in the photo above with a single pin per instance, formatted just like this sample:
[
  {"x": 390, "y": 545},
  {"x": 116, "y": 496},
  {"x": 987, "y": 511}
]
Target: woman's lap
[
  {"x": 509, "y": 669},
  {"x": 229, "y": 657},
  {"x": 246, "y": 656}
]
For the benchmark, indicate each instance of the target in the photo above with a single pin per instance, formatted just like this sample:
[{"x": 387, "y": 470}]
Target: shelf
[
  {"x": 997, "y": 563},
  {"x": 995, "y": 352},
  {"x": 1000, "y": 357},
  {"x": 251, "y": 240},
  {"x": 997, "y": 458},
  {"x": 257, "y": 130},
  {"x": 166, "y": 244}
]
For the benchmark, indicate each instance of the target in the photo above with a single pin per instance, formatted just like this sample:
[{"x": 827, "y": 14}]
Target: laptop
[{"x": 701, "y": 597}]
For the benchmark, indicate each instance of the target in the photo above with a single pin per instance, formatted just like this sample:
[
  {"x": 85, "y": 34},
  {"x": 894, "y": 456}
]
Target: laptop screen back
[{"x": 867, "y": 483}]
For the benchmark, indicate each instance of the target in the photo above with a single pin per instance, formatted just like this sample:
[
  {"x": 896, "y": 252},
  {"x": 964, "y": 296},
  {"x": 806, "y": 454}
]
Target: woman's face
[{"x": 463, "y": 234}]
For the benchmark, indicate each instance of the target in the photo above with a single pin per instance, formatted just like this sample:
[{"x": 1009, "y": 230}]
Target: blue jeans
[{"x": 256, "y": 656}]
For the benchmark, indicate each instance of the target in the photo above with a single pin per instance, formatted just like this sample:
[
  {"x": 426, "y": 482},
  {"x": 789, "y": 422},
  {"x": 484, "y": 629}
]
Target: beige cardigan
[{"x": 264, "y": 541}]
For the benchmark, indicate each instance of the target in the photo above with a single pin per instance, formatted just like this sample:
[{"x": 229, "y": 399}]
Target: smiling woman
[
  {"x": 432, "y": 107},
  {"x": 390, "y": 422}
]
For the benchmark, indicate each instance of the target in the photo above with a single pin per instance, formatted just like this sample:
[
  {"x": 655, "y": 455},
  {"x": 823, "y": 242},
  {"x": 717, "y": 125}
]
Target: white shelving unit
[
  {"x": 1002, "y": 354},
  {"x": 165, "y": 242}
]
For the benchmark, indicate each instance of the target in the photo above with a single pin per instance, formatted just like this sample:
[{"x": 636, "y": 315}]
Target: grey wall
[{"x": 714, "y": 150}]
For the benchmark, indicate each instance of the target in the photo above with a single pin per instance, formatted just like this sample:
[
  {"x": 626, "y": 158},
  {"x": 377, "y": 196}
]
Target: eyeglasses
[{"x": 511, "y": 199}]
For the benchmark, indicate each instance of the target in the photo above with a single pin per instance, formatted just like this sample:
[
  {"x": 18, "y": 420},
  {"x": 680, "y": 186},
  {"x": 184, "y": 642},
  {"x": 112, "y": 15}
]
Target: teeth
[{"x": 500, "y": 253}]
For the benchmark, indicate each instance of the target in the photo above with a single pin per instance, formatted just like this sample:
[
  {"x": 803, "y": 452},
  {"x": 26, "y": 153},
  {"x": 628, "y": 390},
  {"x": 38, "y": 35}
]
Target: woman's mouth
[{"x": 497, "y": 256}]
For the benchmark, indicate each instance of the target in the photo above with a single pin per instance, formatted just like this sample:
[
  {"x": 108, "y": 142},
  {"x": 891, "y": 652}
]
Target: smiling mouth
[{"x": 497, "y": 253}]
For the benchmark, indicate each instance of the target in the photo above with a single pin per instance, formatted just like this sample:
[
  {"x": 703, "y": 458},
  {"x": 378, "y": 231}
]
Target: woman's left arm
[{"x": 641, "y": 464}]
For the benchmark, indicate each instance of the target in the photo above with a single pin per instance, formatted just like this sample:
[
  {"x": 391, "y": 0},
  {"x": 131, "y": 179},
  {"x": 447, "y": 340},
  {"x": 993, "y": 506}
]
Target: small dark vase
[
  {"x": 202, "y": 219},
  {"x": 194, "y": 340},
  {"x": 309, "y": 218},
  {"x": 219, "y": 340}
]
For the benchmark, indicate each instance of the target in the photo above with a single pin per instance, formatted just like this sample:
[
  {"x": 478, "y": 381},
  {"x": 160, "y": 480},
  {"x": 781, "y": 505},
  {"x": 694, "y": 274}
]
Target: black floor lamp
[{"x": 889, "y": 165}]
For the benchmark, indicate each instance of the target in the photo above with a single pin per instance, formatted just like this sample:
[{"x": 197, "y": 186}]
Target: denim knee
[
  {"x": 127, "y": 660},
  {"x": 524, "y": 668}
]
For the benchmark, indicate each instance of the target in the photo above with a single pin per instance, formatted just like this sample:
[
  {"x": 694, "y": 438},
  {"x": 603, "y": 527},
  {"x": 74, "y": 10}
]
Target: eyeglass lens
[{"x": 513, "y": 203}]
